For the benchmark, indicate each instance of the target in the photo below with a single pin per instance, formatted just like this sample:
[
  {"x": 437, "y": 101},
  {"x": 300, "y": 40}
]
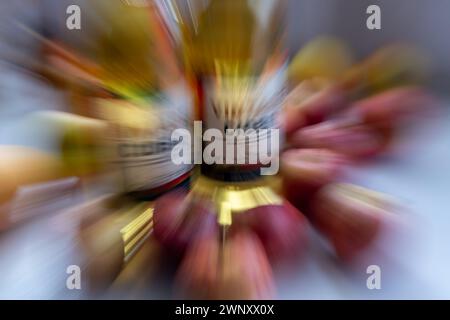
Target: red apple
[
  {"x": 168, "y": 215},
  {"x": 341, "y": 135},
  {"x": 198, "y": 274},
  {"x": 351, "y": 217},
  {"x": 199, "y": 221},
  {"x": 245, "y": 270},
  {"x": 237, "y": 270},
  {"x": 389, "y": 107},
  {"x": 307, "y": 105},
  {"x": 178, "y": 220},
  {"x": 305, "y": 171},
  {"x": 281, "y": 228}
]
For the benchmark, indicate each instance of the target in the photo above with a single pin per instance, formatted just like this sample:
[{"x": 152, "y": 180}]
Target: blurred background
[
  {"x": 55, "y": 210},
  {"x": 414, "y": 21}
]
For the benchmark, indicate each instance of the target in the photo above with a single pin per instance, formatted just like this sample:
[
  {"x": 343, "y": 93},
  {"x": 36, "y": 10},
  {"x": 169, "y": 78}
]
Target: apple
[
  {"x": 308, "y": 104},
  {"x": 197, "y": 276},
  {"x": 305, "y": 171},
  {"x": 245, "y": 269},
  {"x": 391, "y": 106},
  {"x": 281, "y": 228},
  {"x": 178, "y": 219},
  {"x": 392, "y": 110},
  {"x": 350, "y": 217},
  {"x": 235, "y": 269},
  {"x": 168, "y": 215},
  {"x": 199, "y": 221},
  {"x": 341, "y": 135}
]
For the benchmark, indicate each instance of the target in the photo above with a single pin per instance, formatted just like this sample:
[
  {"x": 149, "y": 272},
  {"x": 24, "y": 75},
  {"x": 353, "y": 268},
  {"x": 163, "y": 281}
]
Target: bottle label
[
  {"x": 244, "y": 105},
  {"x": 142, "y": 138},
  {"x": 245, "y": 102}
]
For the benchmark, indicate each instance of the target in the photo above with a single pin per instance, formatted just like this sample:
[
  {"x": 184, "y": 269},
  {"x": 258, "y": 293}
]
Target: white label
[
  {"x": 244, "y": 103},
  {"x": 143, "y": 142}
]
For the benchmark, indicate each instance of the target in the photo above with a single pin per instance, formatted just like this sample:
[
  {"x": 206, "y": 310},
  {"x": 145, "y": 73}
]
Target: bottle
[
  {"x": 234, "y": 50},
  {"x": 234, "y": 54},
  {"x": 150, "y": 97}
]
